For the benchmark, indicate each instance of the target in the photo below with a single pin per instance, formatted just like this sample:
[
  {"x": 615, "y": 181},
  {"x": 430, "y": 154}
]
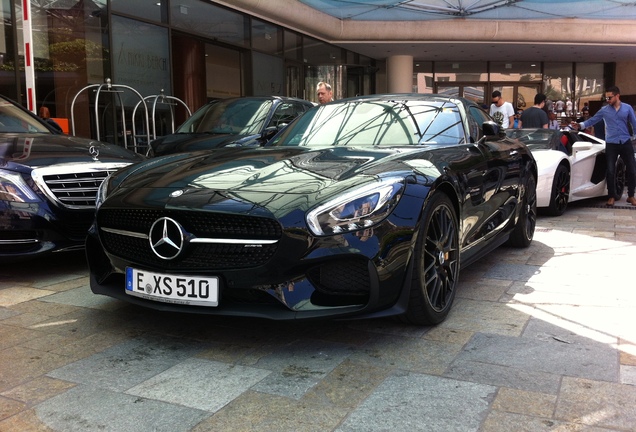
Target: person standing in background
[
  {"x": 553, "y": 122},
  {"x": 517, "y": 117},
  {"x": 617, "y": 117},
  {"x": 535, "y": 116},
  {"x": 502, "y": 111},
  {"x": 324, "y": 93}
]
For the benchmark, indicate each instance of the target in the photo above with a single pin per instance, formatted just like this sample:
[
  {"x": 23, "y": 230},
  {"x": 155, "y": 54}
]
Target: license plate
[{"x": 169, "y": 288}]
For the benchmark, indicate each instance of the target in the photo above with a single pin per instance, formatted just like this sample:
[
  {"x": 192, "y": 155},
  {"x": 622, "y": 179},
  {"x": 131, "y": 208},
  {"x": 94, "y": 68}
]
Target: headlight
[
  {"x": 13, "y": 188},
  {"x": 357, "y": 209},
  {"x": 102, "y": 192}
]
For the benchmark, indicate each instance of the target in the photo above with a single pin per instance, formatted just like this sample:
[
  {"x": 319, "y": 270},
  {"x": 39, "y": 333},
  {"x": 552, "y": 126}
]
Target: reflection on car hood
[
  {"x": 278, "y": 180},
  {"x": 187, "y": 142},
  {"x": 291, "y": 170},
  {"x": 35, "y": 150}
]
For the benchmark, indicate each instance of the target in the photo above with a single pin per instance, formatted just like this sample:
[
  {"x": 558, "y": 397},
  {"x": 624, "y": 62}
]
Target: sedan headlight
[
  {"x": 102, "y": 192},
  {"x": 357, "y": 209},
  {"x": 13, "y": 188}
]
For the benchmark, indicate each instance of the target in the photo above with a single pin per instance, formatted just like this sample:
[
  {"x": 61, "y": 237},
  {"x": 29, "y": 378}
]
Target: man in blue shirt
[{"x": 618, "y": 141}]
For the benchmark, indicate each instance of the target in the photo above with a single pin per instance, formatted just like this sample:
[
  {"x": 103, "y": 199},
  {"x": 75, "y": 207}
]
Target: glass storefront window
[
  {"x": 293, "y": 46},
  {"x": 515, "y": 71},
  {"x": 557, "y": 80},
  {"x": 321, "y": 53},
  {"x": 195, "y": 16},
  {"x": 266, "y": 37},
  {"x": 222, "y": 72},
  {"x": 423, "y": 77},
  {"x": 141, "y": 56},
  {"x": 268, "y": 74},
  {"x": 69, "y": 53},
  {"x": 461, "y": 71},
  {"x": 7, "y": 53},
  {"x": 154, "y": 10},
  {"x": 589, "y": 85}
]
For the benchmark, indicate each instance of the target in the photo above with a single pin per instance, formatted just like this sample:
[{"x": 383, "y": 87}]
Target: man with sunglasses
[
  {"x": 618, "y": 141},
  {"x": 502, "y": 111}
]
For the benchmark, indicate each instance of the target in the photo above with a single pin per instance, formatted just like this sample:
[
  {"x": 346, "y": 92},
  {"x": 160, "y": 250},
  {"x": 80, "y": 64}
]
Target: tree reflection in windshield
[{"x": 391, "y": 123}]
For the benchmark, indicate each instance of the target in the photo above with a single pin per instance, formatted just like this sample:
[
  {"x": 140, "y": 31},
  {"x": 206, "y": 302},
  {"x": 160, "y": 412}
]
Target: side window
[
  {"x": 285, "y": 113},
  {"x": 476, "y": 118}
]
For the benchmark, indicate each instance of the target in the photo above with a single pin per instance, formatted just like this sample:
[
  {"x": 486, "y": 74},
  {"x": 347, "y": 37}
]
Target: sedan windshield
[
  {"x": 15, "y": 120},
  {"x": 376, "y": 123},
  {"x": 232, "y": 116}
]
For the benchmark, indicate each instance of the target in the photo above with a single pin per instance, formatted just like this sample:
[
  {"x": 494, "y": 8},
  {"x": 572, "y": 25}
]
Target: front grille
[
  {"x": 76, "y": 189},
  {"x": 73, "y": 186},
  {"x": 199, "y": 223},
  {"x": 204, "y": 256}
]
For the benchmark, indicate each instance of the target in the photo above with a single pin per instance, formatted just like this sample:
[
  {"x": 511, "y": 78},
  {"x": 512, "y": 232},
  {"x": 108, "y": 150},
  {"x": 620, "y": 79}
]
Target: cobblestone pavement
[{"x": 539, "y": 339}]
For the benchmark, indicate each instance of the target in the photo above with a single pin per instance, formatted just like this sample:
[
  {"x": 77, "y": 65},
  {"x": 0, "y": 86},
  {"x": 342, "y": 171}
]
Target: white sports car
[{"x": 571, "y": 167}]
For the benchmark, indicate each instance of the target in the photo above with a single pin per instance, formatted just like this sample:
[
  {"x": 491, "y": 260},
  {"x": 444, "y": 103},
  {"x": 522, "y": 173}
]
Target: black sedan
[
  {"x": 48, "y": 184},
  {"x": 235, "y": 122},
  {"x": 362, "y": 207}
]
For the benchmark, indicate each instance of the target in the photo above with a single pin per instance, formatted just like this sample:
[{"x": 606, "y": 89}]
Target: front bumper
[
  {"x": 31, "y": 229},
  {"x": 339, "y": 276}
]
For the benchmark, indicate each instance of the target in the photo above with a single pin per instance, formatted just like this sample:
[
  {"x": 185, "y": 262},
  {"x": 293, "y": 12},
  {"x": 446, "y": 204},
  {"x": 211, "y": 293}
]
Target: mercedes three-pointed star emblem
[
  {"x": 93, "y": 151},
  {"x": 166, "y": 238}
]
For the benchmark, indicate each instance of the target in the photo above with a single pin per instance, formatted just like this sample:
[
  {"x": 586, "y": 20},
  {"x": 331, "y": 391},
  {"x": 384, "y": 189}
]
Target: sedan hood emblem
[
  {"x": 94, "y": 152},
  {"x": 166, "y": 238}
]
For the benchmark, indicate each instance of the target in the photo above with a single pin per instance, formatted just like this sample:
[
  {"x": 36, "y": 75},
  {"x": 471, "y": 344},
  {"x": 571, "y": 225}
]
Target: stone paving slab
[
  {"x": 86, "y": 408},
  {"x": 409, "y": 401},
  {"x": 201, "y": 384},
  {"x": 128, "y": 364},
  {"x": 539, "y": 339}
]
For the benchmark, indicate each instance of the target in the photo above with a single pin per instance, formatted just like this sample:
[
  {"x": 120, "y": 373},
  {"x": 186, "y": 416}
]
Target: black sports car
[
  {"x": 48, "y": 184},
  {"x": 362, "y": 207},
  {"x": 231, "y": 122}
]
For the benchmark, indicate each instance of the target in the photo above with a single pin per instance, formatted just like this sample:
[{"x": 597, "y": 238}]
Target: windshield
[
  {"x": 233, "y": 116},
  {"x": 376, "y": 123},
  {"x": 536, "y": 138},
  {"x": 15, "y": 120}
]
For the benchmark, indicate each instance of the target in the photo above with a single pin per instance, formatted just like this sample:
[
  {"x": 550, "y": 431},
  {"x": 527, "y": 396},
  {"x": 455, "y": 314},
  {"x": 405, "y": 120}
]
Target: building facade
[{"x": 197, "y": 50}]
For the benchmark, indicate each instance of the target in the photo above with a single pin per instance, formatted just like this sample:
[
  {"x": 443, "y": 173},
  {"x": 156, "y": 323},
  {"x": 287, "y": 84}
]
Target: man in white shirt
[{"x": 502, "y": 111}]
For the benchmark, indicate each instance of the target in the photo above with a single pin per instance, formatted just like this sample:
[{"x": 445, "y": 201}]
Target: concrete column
[{"x": 399, "y": 71}]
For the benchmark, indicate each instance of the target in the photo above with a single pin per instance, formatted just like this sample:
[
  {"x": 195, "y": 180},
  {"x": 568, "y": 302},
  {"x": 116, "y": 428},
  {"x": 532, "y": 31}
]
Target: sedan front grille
[
  {"x": 73, "y": 186},
  {"x": 76, "y": 189},
  {"x": 124, "y": 234}
]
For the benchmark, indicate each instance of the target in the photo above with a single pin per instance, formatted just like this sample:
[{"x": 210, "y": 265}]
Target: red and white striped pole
[{"x": 29, "y": 67}]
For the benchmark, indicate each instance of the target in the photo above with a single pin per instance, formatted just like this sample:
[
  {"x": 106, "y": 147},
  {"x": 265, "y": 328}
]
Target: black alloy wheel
[
  {"x": 523, "y": 232},
  {"x": 436, "y": 264},
  {"x": 560, "y": 193},
  {"x": 619, "y": 178}
]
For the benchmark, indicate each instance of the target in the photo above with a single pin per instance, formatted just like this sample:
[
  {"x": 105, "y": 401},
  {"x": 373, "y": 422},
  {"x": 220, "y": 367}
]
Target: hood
[
  {"x": 189, "y": 142},
  {"x": 35, "y": 150},
  {"x": 292, "y": 170},
  {"x": 276, "y": 180}
]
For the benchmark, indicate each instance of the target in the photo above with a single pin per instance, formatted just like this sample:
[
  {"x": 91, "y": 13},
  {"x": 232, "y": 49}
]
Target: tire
[
  {"x": 560, "y": 193},
  {"x": 619, "y": 179},
  {"x": 435, "y": 265},
  {"x": 523, "y": 232}
]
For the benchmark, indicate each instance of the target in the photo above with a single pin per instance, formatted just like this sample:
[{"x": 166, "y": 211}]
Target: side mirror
[
  {"x": 581, "y": 146},
  {"x": 492, "y": 130},
  {"x": 269, "y": 132}
]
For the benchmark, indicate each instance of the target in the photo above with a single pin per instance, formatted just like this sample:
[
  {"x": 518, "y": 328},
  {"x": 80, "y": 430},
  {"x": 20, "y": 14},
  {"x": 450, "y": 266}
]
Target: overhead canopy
[
  {"x": 417, "y": 10},
  {"x": 468, "y": 30}
]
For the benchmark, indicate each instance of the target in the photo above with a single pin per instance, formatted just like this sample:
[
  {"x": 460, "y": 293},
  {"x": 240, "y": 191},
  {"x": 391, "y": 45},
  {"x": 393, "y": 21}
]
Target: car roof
[{"x": 263, "y": 98}]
